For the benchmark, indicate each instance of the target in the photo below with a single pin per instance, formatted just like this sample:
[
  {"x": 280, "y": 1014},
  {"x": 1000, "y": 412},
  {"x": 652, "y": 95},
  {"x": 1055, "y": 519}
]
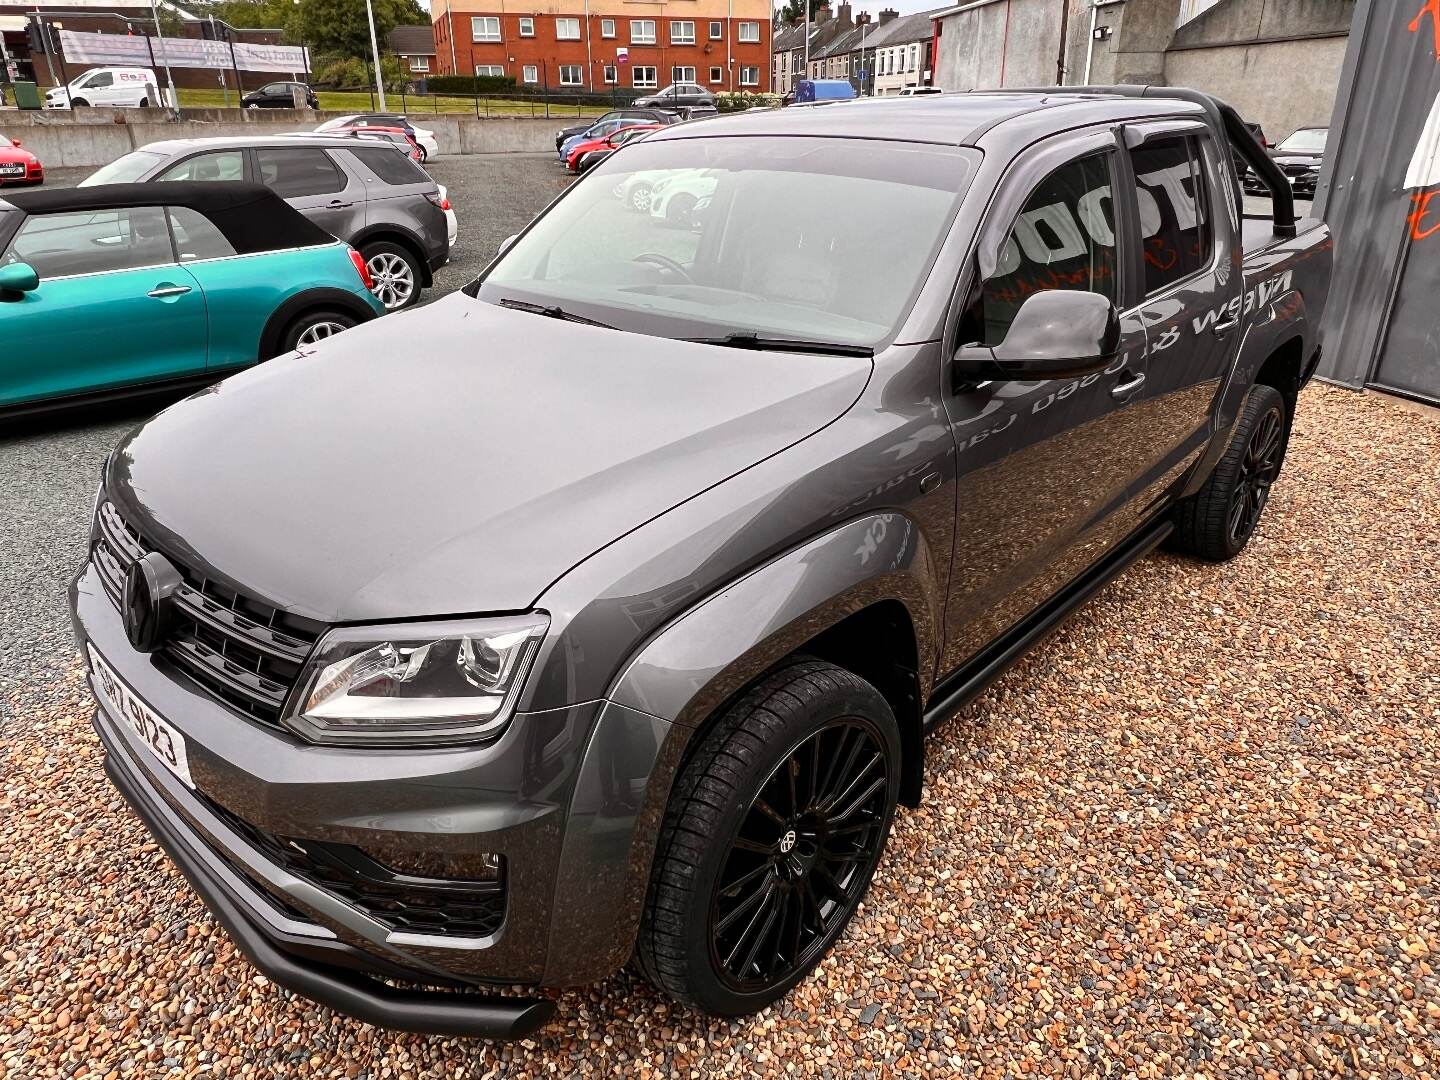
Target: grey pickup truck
[{"x": 598, "y": 611}]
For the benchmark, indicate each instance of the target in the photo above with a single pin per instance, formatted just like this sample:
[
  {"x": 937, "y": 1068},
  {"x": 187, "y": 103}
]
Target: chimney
[
  {"x": 888, "y": 15},
  {"x": 844, "y": 16},
  {"x": 822, "y": 15},
  {"x": 863, "y": 19}
]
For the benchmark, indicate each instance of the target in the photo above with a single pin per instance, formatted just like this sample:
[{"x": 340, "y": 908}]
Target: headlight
[{"x": 431, "y": 683}]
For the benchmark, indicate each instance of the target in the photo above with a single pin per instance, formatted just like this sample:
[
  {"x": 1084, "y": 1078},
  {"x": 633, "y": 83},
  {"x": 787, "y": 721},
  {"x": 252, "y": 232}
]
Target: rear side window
[
  {"x": 1063, "y": 238},
  {"x": 292, "y": 174},
  {"x": 215, "y": 165},
  {"x": 92, "y": 242},
  {"x": 1175, "y": 227},
  {"x": 389, "y": 165},
  {"x": 196, "y": 236}
]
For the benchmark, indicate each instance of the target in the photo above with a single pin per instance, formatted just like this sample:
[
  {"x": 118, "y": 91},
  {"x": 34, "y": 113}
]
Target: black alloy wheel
[
  {"x": 802, "y": 857},
  {"x": 773, "y": 831},
  {"x": 1259, "y": 467}
]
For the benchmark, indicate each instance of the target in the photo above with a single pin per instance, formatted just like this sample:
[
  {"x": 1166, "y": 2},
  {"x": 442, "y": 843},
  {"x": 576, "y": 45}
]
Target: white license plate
[
  {"x": 12, "y": 170},
  {"x": 162, "y": 740}
]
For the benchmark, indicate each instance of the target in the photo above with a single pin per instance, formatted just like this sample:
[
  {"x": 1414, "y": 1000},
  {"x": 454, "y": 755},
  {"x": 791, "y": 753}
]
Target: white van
[{"x": 109, "y": 86}]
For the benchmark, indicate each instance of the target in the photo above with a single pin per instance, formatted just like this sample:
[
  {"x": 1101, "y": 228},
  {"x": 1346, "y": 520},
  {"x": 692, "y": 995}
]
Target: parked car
[
  {"x": 397, "y": 137},
  {"x": 370, "y": 196},
  {"x": 920, "y": 91},
  {"x": 677, "y": 95},
  {"x": 813, "y": 91},
  {"x": 18, "y": 165},
  {"x": 112, "y": 87},
  {"x": 126, "y": 288},
  {"x": 600, "y": 130},
  {"x": 1299, "y": 157},
  {"x": 675, "y": 197},
  {"x": 424, "y": 137},
  {"x": 649, "y": 116},
  {"x": 280, "y": 95},
  {"x": 589, "y": 152},
  {"x": 613, "y": 625}
]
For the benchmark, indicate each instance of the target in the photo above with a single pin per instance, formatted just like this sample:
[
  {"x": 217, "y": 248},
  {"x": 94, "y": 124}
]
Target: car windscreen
[
  {"x": 124, "y": 170},
  {"x": 799, "y": 237},
  {"x": 1306, "y": 141}
]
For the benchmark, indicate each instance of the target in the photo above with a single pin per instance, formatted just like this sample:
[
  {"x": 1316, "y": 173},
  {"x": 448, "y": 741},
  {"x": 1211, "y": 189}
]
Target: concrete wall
[
  {"x": 999, "y": 43},
  {"x": 93, "y": 138}
]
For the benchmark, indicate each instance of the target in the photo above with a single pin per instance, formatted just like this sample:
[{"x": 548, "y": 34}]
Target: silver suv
[{"x": 367, "y": 194}]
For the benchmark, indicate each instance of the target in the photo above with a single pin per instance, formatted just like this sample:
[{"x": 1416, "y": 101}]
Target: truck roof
[{"x": 947, "y": 119}]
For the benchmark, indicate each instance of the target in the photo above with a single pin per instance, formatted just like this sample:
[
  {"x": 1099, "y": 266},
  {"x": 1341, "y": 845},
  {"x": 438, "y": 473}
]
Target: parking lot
[{"x": 1193, "y": 834}]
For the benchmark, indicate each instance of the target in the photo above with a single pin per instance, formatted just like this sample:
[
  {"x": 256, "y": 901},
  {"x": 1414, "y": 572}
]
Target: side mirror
[
  {"x": 1057, "y": 334},
  {"x": 18, "y": 278},
  {"x": 14, "y": 142},
  {"x": 505, "y": 244}
]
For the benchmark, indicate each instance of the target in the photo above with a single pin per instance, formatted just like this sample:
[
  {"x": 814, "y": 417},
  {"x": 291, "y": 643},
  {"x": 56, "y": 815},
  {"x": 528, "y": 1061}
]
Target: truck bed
[{"x": 1257, "y": 231}]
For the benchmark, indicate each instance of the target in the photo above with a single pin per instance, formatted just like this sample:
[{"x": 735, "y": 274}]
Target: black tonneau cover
[{"x": 251, "y": 216}]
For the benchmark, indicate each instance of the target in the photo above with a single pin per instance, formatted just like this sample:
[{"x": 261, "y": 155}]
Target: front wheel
[
  {"x": 314, "y": 327},
  {"x": 395, "y": 272},
  {"x": 770, "y": 840},
  {"x": 79, "y": 103},
  {"x": 1217, "y": 521}
]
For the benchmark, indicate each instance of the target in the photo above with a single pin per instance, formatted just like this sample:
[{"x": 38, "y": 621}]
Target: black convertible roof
[{"x": 251, "y": 216}]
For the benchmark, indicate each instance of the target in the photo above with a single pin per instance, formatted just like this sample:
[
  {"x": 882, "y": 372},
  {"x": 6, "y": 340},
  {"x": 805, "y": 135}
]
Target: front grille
[
  {"x": 241, "y": 651},
  {"x": 403, "y": 902}
]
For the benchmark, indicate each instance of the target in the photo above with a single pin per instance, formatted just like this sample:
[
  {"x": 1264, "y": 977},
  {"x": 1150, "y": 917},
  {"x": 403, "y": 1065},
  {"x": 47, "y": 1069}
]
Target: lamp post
[
  {"x": 374, "y": 53},
  {"x": 165, "y": 59}
]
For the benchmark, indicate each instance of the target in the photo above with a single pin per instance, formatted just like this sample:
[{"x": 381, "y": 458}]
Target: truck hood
[{"x": 456, "y": 459}]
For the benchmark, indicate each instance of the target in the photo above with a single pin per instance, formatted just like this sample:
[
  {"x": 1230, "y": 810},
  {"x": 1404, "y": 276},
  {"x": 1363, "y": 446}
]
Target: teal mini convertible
[{"x": 121, "y": 289}]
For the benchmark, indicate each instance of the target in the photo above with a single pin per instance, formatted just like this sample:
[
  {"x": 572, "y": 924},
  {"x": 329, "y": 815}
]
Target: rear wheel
[
  {"x": 396, "y": 274},
  {"x": 1217, "y": 521},
  {"x": 314, "y": 327},
  {"x": 770, "y": 840},
  {"x": 144, "y": 103}
]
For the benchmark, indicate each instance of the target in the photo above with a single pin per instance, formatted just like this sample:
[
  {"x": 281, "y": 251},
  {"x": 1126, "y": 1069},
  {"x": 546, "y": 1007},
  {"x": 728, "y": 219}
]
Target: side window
[
  {"x": 215, "y": 165},
  {"x": 196, "y": 236},
  {"x": 1063, "y": 238},
  {"x": 91, "y": 242},
  {"x": 102, "y": 78},
  {"x": 389, "y": 165},
  {"x": 292, "y": 174},
  {"x": 1176, "y": 236}
]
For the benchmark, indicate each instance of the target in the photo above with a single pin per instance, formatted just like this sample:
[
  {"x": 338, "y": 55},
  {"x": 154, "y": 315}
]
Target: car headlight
[{"x": 419, "y": 683}]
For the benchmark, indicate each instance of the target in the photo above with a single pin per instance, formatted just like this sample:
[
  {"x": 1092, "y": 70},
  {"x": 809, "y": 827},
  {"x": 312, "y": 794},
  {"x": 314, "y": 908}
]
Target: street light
[{"x": 375, "y": 54}]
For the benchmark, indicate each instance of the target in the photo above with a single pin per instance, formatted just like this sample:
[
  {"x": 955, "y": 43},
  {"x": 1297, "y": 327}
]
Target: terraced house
[{"x": 589, "y": 46}]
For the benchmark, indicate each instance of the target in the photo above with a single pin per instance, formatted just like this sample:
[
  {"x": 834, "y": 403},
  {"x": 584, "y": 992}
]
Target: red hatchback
[
  {"x": 576, "y": 161},
  {"x": 18, "y": 165}
]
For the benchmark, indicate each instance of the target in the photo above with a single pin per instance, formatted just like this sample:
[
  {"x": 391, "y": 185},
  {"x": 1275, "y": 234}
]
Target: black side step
[{"x": 970, "y": 682}]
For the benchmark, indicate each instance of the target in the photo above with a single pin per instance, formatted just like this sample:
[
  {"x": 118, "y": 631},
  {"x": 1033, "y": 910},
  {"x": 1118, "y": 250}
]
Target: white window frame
[
  {"x": 527, "y": 26},
  {"x": 749, "y": 33},
  {"x": 642, "y": 31},
  {"x": 717, "y": 29},
  {"x": 717, "y": 75},
  {"x": 607, "y": 28},
  {"x": 490, "y": 71},
  {"x": 477, "y": 22},
  {"x": 567, "y": 28},
  {"x": 649, "y": 83},
  {"x": 578, "y": 70},
  {"x": 682, "y": 31},
  {"x": 419, "y": 63},
  {"x": 612, "y": 75},
  {"x": 530, "y": 74},
  {"x": 678, "y": 74},
  {"x": 754, "y": 73}
]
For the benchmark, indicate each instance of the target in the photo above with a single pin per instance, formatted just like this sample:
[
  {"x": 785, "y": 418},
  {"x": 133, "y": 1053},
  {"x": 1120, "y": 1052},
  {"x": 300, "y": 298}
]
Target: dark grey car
[
  {"x": 615, "y": 626},
  {"x": 369, "y": 195}
]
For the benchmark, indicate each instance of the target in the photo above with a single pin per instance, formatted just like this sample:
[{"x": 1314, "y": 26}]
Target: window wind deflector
[
  {"x": 552, "y": 311},
  {"x": 746, "y": 340}
]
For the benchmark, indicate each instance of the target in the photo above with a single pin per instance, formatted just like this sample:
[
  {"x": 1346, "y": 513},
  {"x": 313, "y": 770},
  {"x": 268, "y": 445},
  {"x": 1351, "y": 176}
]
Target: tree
[
  {"x": 340, "y": 26},
  {"x": 794, "y": 10}
]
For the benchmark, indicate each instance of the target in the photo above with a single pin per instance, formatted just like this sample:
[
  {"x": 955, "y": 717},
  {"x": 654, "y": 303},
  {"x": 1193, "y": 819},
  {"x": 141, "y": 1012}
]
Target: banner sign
[{"x": 130, "y": 50}]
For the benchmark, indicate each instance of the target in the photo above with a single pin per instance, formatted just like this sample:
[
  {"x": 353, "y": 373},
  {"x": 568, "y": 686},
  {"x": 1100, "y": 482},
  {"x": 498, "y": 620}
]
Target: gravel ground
[{"x": 1193, "y": 835}]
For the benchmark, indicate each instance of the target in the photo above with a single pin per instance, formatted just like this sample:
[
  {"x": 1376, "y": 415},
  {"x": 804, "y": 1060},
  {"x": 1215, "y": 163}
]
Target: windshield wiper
[
  {"x": 749, "y": 340},
  {"x": 552, "y": 311}
]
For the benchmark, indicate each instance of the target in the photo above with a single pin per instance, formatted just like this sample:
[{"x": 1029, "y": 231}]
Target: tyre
[
  {"x": 396, "y": 274},
  {"x": 679, "y": 209},
  {"x": 640, "y": 198},
  {"x": 770, "y": 839},
  {"x": 424, "y": 155},
  {"x": 1217, "y": 521},
  {"x": 144, "y": 103},
  {"x": 314, "y": 327},
  {"x": 79, "y": 103}
]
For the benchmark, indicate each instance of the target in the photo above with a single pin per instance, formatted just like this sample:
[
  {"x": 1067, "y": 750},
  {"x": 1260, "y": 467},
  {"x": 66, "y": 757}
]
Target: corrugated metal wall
[{"x": 1380, "y": 192}]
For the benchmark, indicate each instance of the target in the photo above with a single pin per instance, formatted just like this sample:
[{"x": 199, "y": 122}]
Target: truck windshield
[
  {"x": 796, "y": 237},
  {"x": 1306, "y": 141},
  {"x": 124, "y": 170}
]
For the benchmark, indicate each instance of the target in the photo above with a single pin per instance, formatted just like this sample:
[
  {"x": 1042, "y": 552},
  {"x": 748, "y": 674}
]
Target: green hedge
[{"x": 470, "y": 84}]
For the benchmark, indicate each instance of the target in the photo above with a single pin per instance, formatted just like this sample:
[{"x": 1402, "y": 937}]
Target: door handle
[
  {"x": 164, "y": 292},
  {"x": 1220, "y": 329},
  {"x": 1125, "y": 389},
  {"x": 336, "y": 204}
]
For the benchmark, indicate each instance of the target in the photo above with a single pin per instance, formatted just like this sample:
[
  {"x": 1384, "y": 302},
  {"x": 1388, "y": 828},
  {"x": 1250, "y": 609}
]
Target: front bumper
[{"x": 569, "y": 798}]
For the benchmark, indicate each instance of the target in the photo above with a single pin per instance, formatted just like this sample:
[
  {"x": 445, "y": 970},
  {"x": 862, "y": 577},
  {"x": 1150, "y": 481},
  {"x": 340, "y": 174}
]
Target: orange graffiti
[
  {"x": 1431, "y": 8},
  {"x": 1419, "y": 230}
]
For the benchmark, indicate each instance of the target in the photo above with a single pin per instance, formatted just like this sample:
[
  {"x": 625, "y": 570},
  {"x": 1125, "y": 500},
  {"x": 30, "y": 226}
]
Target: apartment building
[{"x": 601, "y": 45}]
